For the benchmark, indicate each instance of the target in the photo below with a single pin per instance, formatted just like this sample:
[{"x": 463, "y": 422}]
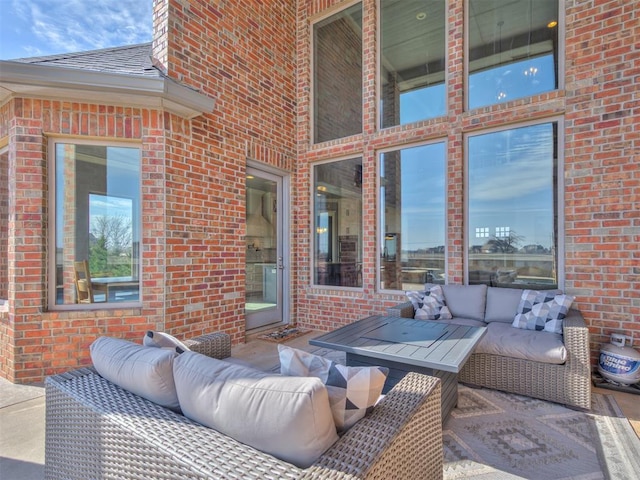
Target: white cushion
[
  {"x": 504, "y": 340},
  {"x": 163, "y": 340},
  {"x": 287, "y": 417},
  {"x": 147, "y": 372},
  {"x": 542, "y": 310},
  {"x": 353, "y": 391}
]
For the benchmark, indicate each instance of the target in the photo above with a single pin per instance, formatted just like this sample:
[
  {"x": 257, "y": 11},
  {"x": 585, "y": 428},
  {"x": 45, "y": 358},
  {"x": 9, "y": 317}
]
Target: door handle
[{"x": 280, "y": 264}]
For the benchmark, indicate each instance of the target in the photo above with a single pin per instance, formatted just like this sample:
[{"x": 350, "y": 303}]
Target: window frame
[
  {"x": 51, "y": 260},
  {"x": 560, "y": 214},
  {"x": 312, "y": 83},
  {"x": 312, "y": 225},
  {"x": 379, "y": 207}
]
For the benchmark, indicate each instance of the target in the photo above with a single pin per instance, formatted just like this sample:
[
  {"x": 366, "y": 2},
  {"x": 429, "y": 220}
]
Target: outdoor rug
[
  {"x": 282, "y": 334},
  {"x": 496, "y": 435}
]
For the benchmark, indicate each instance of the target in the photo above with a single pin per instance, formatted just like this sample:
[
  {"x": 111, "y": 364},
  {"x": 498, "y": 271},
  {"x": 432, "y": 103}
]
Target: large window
[
  {"x": 337, "y": 75},
  {"x": 412, "y": 60},
  {"x": 97, "y": 224},
  {"x": 338, "y": 223},
  {"x": 513, "y": 207},
  {"x": 512, "y": 49},
  {"x": 412, "y": 217}
]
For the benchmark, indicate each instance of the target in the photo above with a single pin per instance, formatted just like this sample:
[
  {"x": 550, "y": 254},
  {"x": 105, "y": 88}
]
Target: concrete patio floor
[{"x": 22, "y": 410}]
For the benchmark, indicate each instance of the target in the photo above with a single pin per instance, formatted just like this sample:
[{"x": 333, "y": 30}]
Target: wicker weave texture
[
  {"x": 94, "y": 429},
  {"x": 216, "y": 345},
  {"x": 568, "y": 384}
]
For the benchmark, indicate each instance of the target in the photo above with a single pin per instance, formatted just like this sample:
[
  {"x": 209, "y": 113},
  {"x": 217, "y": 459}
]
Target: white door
[{"x": 267, "y": 249}]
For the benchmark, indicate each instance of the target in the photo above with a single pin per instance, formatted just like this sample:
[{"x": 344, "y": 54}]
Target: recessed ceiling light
[
  {"x": 552, "y": 24},
  {"x": 421, "y": 16}
]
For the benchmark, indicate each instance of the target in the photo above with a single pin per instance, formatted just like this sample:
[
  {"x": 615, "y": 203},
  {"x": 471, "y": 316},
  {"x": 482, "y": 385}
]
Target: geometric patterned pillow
[
  {"x": 353, "y": 391},
  {"x": 430, "y": 304},
  {"x": 543, "y": 311}
]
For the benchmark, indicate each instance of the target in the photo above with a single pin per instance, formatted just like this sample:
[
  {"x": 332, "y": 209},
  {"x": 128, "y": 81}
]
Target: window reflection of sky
[
  {"x": 515, "y": 80},
  {"x": 511, "y": 183},
  {"x": 423, "y": 196}
]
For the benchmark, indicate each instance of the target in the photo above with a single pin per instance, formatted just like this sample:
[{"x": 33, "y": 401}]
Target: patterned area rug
[{"x": 496, "y": 435}]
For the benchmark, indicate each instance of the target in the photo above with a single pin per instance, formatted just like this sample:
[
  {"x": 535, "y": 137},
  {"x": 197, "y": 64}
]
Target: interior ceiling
[{"x": 411, "y": 43}]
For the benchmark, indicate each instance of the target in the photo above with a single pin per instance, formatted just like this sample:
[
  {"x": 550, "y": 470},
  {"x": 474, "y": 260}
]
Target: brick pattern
[
  {"x": 602, "y": 175},
  {"x": 193, "y": 181}
]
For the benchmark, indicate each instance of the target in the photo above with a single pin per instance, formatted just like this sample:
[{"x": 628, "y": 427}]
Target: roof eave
[{"x": 23, "y": 79}]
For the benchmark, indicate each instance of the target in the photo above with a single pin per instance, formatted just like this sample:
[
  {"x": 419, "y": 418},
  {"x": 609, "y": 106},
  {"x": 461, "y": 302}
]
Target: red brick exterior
[{"x": 254, "y": 58}]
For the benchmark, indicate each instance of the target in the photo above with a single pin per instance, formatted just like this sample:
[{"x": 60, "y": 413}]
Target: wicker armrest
[
  {"x": 216, "y": 345},
  {"x": 576, "y": 337},
  {"x": 404, "y": 310},
  {"x": 401, "y": 438}
]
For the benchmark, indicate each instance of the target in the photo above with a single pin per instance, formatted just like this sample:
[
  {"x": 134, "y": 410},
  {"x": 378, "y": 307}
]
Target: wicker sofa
[
  {"x": 95, "y": 429},
  {"x": 495, "y": 365}
]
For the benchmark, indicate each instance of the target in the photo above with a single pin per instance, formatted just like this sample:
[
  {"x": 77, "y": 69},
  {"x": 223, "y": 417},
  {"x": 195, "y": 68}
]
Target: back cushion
[
  {"x": 466, "y": 301},
  {"x": 502, "y": 304},
  {"x": 147, "y": 372},
  {"x": 287, "y": 417}
]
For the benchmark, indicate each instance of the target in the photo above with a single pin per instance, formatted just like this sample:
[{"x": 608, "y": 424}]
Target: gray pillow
[
  {"x": 466, "y": 301},
  {"x": 147, "y": 372},
  {"x": 287, "y": 417},
  {"x": 502, "y": 304}
]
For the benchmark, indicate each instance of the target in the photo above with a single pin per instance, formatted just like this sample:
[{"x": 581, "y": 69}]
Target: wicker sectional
[
  {"x": 95, "y": 429},
  {"x": 568, "y": 383}
]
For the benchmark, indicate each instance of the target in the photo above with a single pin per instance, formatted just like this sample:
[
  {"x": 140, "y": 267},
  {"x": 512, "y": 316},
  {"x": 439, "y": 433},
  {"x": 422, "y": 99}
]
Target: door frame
[{"x": 283, "y": 237}]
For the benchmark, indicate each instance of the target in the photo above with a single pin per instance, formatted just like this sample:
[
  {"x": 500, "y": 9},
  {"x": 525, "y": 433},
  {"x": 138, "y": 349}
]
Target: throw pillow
[
  {"x": 287, "y": 417},
  {"x": 430, "y": 304},
  {"x": 542, "y": 311},
  {"x": 147, "y": 372},
  {"x": 353, "y": 391},
  {"x": 163, "y": 340}
]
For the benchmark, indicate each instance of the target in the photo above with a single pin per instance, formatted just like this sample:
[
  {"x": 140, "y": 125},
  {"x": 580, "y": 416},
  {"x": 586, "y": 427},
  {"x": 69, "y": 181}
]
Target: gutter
[{"x": 25, "y": 79}]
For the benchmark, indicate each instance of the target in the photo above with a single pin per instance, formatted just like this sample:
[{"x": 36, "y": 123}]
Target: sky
[{"x": 32, "y": 28}]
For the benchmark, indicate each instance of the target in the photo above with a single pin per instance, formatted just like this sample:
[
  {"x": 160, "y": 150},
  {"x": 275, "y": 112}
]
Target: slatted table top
[{"x": 430, "y": 344}]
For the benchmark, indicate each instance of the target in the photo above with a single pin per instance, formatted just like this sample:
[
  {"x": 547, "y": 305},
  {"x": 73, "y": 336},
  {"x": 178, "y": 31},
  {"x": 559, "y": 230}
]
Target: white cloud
[{"x": 60, "y": 26}]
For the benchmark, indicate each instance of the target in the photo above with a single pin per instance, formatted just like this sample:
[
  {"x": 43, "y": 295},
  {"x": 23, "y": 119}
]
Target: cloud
[{"x": 76, "y": 25}]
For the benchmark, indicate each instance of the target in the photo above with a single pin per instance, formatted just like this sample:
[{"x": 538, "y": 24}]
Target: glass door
[{"x": 265, "y": 250}]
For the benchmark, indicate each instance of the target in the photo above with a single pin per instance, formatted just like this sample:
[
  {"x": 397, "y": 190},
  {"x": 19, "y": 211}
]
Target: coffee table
[{"x": 406, "y": 345}]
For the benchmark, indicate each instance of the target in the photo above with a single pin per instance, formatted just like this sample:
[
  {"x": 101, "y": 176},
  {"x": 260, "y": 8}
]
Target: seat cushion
[
  {"x": 504, "y": 340},
  {"x": 353, "y": 391},
  {"x": 287, "y": 417},
  {"x": 147, "y": 372},
  {"x": 466, "y": 301}
]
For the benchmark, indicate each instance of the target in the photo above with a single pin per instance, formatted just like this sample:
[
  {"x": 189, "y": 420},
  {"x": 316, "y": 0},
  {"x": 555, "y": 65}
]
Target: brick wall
[
  {"x": 599, "y": 105},
  {"x": 242, "y": 53},
  {"x": 193, "y": 180}
]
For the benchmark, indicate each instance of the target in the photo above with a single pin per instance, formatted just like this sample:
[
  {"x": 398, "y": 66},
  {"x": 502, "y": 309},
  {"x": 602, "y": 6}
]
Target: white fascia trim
[{"x": 82, "y": 85}]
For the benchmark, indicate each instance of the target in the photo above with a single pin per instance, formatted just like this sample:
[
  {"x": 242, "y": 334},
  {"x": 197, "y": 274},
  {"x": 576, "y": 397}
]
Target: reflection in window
[
  {"x": 412, "y": 60},
  {"x": 513, "y": 49},
  {"x": 513, "y": 196},
  {"x": 412, "y": 192},
  {"x": 338, "y": 223},
  {"x": 97, "y": 220},
  {"x": 337, "y": 72}
]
